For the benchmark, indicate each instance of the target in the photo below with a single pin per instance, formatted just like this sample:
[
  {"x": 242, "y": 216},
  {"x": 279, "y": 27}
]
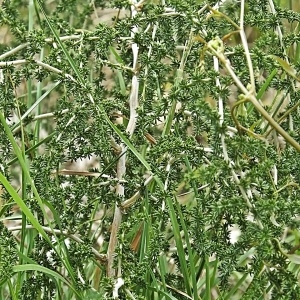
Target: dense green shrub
[{"x": 149, "y": 150}]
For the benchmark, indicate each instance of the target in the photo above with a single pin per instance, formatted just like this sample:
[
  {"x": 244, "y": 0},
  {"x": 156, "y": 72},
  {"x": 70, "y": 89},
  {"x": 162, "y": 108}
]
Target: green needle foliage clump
[{"x": 149, "y": 149}]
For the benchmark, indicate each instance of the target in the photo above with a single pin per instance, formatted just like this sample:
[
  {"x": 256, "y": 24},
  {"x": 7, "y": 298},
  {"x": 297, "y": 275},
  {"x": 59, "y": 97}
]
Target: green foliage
[
  {"x": 8, "y": 253},
  {"x": 189, "y": 114}
]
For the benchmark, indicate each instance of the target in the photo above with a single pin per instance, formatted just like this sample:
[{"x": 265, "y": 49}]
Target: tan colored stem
[
  {"x": 121, "y": 166},
  {"x": 249, "y": 96}
]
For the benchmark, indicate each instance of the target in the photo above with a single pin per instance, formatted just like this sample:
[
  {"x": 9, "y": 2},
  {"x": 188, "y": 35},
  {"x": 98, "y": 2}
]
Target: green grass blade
[
  {"x": 214, "y": 278},
  {"x": 54, "y": 275},
  {"x": 128, "y": 143},
  {"x": 24, "y": 166},
  {"x": 207, "y": 279},
  {"x": 157, "y": 288},
  {"x": 262, "y": 90},
  {"x": 190, "y": 252},
  {"x": 69, "y": 58},
  {"x": 35, "y": 104},
  {"x": 21, "y": 203},
  {"x": 236, "y": 287},
  {"x": 29, "y": 150},
  {"x": 266, "y": 84},
  {"x": 23, "y": 207},
  {"x": 179, "y": 245},
  {"x": 119, "y": 73}
]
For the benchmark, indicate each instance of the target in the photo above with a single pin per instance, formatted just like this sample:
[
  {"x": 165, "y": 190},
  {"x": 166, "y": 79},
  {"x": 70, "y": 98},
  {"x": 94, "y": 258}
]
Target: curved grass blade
[
  {"x": 23, "y": 207},
  {"x": 179, "y": 245},
  {"x": 52, "y": 274},
  {"x": 61, "y": 45}
]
